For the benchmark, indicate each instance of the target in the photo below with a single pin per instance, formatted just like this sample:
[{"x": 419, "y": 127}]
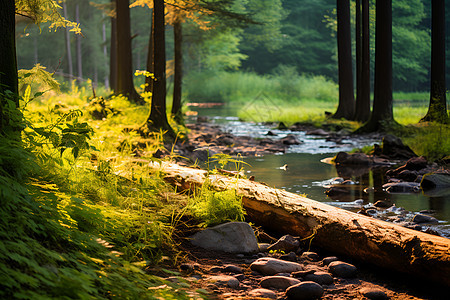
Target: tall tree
[
  {"x": 78, "y": 43},
  {"x": 68, "y": 44},
  {"x": 382, "y": 116},
  {"x": 437, "y": 110},
  {"x": 362, "y": 109},
  {"x": 157, "y": 120},
  {"x": 178, "y": 72},
  {"x": 346, "y": 107},
  {"x": 113, "y": 49},
  {"x": 124, "y": 84},
  {"x": 151, "y": 48}
]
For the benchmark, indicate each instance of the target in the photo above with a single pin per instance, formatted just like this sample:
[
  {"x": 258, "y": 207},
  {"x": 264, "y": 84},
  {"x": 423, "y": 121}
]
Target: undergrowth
[{"x": 81, "y": 214}]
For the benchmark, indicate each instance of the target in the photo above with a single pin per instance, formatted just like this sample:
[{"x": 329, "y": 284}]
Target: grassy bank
[{"x": 82, "y": 215}]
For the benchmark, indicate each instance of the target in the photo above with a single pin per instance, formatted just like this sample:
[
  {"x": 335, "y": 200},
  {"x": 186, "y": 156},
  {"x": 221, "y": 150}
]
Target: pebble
[
  {"x": 420, "y": 218},
  {"x": 229, "y": 281},
  {"x": 304, "y": 291},
  {"x": 313, "y": 256},
  {"x": 327, "y": 260},
  {"x": 263, "y": 293},
  {"x": 291, "y": 256},
  {"x": 278, "y": 282},
  {"x": 232, "y": 269},
  {"x": 373, "y": 293},
  {"x": 272, "y": 266},
  {"x": 322, "y": 278},
  {"x": 342, "y": 269}
]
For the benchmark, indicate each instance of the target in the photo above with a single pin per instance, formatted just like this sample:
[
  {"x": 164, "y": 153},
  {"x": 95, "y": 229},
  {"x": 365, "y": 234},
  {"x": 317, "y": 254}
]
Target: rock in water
[
  {"x": 234, "y": 237},
  {"x": 343, "y": 158},
  {"x": 272, "y": 266},
  {"x": 342, "y": 269},
  {"x": 304, "y": 291}
]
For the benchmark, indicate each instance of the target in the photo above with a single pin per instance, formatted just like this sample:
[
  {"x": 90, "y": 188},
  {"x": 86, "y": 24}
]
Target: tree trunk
[
  {"x": 362, "y": 109},
  {"x": 150, "y": 60},
  {"x": 437, "y": 110},
  {"x": 79, "y": 53},
  {"x": 8, "y": 61},
  {"x": 68, "y": 47},
  {"x": 382, "y": 115},
  {"x": 113, "y": 54},
  {"x": 346, "y": 107},
  {"x": 157, "y": 119},
  {"x": 342, "y": 232},
  {"x": 125, "y": 85},
  {"x": 105, "y": 54},
  {"x": 178, "y": 75}
]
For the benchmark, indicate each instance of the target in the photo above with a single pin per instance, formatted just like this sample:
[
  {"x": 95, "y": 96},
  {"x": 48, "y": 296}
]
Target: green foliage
[
  {"x": 213, "y": 208},
  {"x": 285, "y": 85}
]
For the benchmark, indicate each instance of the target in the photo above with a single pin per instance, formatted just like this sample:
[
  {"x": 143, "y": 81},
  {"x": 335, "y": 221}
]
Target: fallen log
[{"x": 342, "y": 232}]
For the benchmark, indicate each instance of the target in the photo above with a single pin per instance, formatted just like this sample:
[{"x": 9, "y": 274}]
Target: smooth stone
[
  {"x": 311, "y": 256},
  {"x": 278, "y": 282},
  {"x": 373, "y": 293},
  {"x": 327, "y": 260},
  {"x": 382, "y": 204},
  {"x": 286, "y": 243},
  {"x": 402, "y": 187},
  {"x": 227, "y": 280},
  {"x": 216, "y": 269},
  {"x": 291, "y": 256},
  {"x": 342, "y": 269},
  {"x": 263, "y": 247},
  {"x": 343, "y": 158},
  {"x": 304, "y": 291},
  {"x": 239, "y": 277},
  {"x": 322, "y": 278},
  {"x": 272, "y": 266},
  {"x": 262, "y": 293},
  {"x": 232, "y": 269},
  {"x": 233, "y": 237},
  {"x": 420, "y": 218}
]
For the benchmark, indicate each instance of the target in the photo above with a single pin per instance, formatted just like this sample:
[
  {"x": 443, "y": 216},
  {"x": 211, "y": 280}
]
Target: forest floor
[{"x": 201, "y": 267}]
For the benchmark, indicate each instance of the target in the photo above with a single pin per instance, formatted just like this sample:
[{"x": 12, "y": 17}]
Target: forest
[{"x": 128, "y": 126}]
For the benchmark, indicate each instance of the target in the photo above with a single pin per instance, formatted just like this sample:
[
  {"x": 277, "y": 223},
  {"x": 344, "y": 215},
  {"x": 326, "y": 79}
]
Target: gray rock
[
  {"x": 382, "y": 204},
  {"x": 232, "y": 269},
  {"x": 373, "y": 293},
  {"x": 262, "y": 293},
  {"x": 290, "y": 140},
  {"x": 216, "y": 269},
  {"x": 343, "y": 158},
  {"x": 263, "y": 247},
  {"x": 291, "y": 256},
  {"x": 313, "y": 256},
  {"x": 420, "y": 218},
  {"x": 304, "y": 291},
  {"x": 234, "y": 237},
  {"x": 402, "y": 187},
  {"x": 322, "y": 278},
  {"x": 342, "y": 269},
  {"x": 286, "y": 243},
  {"x": 327, "y": 260},
  {"x": 222, "y": 280},
  {"x": 272, "y": 266},
  {"x": 278, "y": 282}
]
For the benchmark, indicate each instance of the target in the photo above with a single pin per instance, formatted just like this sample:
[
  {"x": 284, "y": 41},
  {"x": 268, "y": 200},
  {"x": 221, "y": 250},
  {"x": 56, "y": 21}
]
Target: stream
[{"x": 306, "y": 174}]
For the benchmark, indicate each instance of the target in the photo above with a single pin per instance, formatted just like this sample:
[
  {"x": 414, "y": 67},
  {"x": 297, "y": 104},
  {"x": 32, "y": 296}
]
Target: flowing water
[{"x": 307, "y": 174}]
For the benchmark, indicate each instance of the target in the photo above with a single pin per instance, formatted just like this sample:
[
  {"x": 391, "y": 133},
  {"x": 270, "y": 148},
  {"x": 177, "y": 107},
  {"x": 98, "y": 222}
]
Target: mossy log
[{"x": 342, "y": 232}]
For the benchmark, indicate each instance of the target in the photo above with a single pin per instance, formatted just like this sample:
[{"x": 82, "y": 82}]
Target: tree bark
[
  {"x": 68, "y": 46},
  {"x": 346, "y": 107},
  {"x": 362, "y": 109},
  {"x": 125, "y": 85},
  {"x": 8, "y": 61},
  {"x": 79, "y": 53},
  {"x": 151, "y": 48},
  {"x": 113, "y": 50},
  {"x": 105, "y": 54},
  {"x": 382, "y": 116},
  {"x": 342, "y": 232},
  {"x": 178, "y": 74},
  {"x": 437, "y": 110},
  {"x": 157, "y": 119}
]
